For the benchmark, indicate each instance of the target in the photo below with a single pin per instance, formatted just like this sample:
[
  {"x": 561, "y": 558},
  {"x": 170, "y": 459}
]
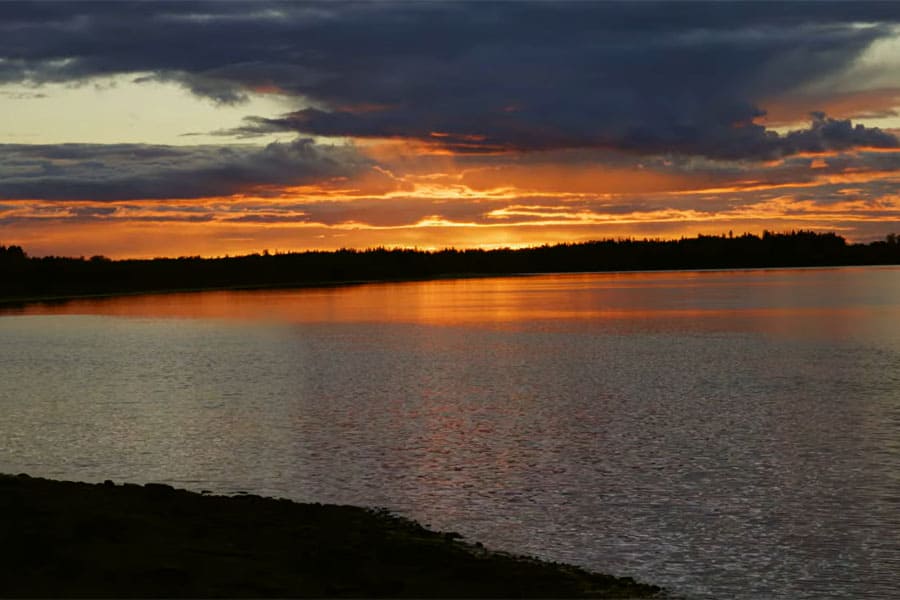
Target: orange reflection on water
[{"x": 801, "y": 301}]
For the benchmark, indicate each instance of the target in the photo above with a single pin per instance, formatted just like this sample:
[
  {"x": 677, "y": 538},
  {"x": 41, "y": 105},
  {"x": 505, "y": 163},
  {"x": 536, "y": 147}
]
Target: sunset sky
[{"x": 168, "y": 129}]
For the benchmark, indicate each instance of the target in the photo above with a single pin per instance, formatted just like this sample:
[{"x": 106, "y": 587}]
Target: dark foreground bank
[{"x": 77, "y": 539}]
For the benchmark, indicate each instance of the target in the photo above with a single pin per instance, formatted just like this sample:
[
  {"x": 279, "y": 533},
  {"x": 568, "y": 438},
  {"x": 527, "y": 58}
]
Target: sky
[{"x": 220, "y": 128}]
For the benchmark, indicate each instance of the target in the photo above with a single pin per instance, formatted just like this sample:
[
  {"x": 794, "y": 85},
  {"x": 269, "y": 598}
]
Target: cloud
[
  {"x": 742, "y": 140},
  {"x": 476, "y": 77},
  {"x": 136, "y": 171},
  {"x": 832, "y": 134}
]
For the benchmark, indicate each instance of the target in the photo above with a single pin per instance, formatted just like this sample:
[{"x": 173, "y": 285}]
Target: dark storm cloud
[
  {"x": 745, "y": 140},
  {"x": 475, "y": 77},
  {"x": 832, "y": 134},
  {"x": 135, "y": 171}
]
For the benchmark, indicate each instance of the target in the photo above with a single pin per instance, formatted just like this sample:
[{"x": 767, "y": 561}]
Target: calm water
[{"x": 724, "y": 434}]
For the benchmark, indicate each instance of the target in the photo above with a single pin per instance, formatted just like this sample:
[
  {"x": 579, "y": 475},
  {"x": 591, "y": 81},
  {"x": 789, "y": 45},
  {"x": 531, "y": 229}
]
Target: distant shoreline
[
  {"x": 25, "y": 279},
  {"x": 107, "y": 540},
  {"x": 13, "y": 300},
  {"x": 8, "y": 302}
]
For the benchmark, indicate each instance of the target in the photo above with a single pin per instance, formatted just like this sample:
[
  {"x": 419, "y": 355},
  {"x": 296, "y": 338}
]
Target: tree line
[{"x": 23, "y": 276}]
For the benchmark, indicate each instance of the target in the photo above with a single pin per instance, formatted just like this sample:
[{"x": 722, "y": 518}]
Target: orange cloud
[
  {"x": 437, "y": 201},
  {"x": 577, "y": 179},
  {"x": 124, "y": 238}
]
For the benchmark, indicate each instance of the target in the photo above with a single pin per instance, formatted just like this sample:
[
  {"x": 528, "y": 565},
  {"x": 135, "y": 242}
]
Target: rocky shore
[{"x": 65, "y": 539}]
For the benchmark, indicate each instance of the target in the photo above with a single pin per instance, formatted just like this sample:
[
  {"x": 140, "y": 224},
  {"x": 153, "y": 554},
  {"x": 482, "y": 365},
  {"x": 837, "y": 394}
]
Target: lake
[{"x": 723, "y": 434}]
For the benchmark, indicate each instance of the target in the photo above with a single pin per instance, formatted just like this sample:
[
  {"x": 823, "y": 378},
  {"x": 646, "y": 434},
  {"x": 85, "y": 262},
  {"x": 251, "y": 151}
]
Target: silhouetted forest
[{"x": 24, "y": 277}]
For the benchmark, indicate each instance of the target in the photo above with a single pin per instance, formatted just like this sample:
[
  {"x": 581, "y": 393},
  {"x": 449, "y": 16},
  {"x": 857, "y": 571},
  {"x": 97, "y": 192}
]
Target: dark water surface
[{"x": 724, "y": 434}]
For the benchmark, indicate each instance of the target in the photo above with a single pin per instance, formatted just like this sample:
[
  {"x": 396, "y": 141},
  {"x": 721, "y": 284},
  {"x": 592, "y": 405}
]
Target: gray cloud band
[
  {"x": 135, "y": 171},
  {"x": 479, "y": 77}
]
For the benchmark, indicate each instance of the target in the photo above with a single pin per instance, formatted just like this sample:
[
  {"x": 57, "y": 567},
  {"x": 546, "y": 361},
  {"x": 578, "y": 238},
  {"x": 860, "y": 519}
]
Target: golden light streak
[
  {"x": 756, "y": 186},
  {"x": 443, "y": 201},
  {"x": 585, "y": 179},
  {"x": 129, "y": 239}
]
